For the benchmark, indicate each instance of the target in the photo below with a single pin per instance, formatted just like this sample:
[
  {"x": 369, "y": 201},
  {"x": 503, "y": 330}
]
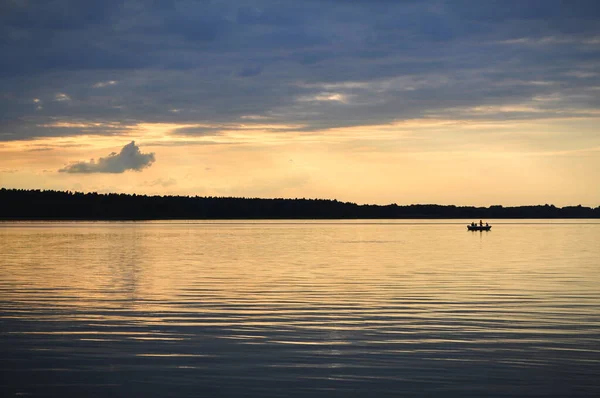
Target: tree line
[{"x": 20, "y": 204}]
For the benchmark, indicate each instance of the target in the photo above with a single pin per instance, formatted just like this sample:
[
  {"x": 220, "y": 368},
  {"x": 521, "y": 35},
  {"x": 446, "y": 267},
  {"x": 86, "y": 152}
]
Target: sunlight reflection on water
[{"x": 299, "y": 309}]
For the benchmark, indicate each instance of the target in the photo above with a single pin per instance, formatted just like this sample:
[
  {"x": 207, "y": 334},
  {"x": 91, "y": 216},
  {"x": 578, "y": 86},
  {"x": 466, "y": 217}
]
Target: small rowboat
[{"x": 479, "y": 227}]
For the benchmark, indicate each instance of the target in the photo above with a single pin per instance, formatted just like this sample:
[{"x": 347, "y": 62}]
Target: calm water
[{"x": 262, "y": 309}]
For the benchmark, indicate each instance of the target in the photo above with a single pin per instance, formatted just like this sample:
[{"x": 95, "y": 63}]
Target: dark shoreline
[{"x": 39, "y": 205}]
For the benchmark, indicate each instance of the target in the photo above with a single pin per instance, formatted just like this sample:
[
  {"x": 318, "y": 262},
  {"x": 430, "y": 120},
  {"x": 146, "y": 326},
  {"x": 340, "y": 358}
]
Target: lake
[{"x": 381, "y": 308}]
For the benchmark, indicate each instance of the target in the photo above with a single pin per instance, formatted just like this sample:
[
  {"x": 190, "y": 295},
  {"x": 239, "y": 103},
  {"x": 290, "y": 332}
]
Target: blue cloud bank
[{"x": 318, "y": 64}]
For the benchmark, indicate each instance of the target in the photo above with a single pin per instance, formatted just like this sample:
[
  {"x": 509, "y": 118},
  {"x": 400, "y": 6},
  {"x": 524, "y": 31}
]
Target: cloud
[
  {"x": 105, "y": 84},
  {"x": 61, "y": 97},
  {"x": 250, "y": 71},
  {"x": 322, "y": 64},
  {"x": 130, "y": 158}
]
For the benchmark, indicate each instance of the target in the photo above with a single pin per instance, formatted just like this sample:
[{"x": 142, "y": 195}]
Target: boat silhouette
[{"x": 479, "y": 227}]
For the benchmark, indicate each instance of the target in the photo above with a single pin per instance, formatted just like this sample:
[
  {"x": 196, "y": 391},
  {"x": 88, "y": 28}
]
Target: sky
[{"x": 368, "y": 101}]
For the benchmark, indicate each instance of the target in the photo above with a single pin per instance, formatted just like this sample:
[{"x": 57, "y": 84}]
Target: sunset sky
[{"x": 369, "y": 101}]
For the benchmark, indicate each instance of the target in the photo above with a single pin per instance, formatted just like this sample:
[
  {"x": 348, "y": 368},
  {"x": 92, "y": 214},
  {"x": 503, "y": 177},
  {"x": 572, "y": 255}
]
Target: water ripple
[{"x": 299, "y": 309}]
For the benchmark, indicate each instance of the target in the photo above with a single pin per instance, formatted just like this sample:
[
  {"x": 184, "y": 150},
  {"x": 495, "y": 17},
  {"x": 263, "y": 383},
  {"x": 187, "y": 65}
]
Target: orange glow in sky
[{"x": 384, "y": 102}]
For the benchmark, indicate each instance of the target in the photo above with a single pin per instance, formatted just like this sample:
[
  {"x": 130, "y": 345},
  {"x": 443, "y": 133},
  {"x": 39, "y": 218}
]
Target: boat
[{"x": 479, "y": 227}]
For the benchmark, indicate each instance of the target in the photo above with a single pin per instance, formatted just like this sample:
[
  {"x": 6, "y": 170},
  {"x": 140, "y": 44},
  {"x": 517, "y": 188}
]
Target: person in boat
[
  {"x": 481, "y": 223},
  {"x": 487, "y": 225}
]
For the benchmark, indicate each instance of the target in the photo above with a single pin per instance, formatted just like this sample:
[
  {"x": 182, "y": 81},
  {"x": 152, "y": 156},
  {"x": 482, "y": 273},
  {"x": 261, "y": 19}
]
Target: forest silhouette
[{"x": 19, "y": 204}]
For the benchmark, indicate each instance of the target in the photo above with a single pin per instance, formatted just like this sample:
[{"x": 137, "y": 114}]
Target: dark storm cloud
[
  {"x": 130, "y": 158},
  {"x": 316, "y": 63}
]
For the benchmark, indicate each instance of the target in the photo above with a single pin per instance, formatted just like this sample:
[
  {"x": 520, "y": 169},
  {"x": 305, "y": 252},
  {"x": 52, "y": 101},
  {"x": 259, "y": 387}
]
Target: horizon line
[{"x": 192, "y": 196}]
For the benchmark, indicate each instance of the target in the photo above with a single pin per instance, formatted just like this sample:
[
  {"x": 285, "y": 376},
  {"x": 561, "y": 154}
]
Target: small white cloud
[
  {"x": 498, "y": 109},
  {"x": 62, "y": 97},
  {"x": 254, "y": 117},
  {"x": 130, "y": 158},
  {"x": 105, "y": 84},
  {"x": 592, "y": 41},
  {"x": 541, "y": 83},
  {"x": 548, "y": 98},
  {"x": 326, "y": 97},
  {"x": 552, "y": 40},
  {"x": 581, "y": 74}
]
